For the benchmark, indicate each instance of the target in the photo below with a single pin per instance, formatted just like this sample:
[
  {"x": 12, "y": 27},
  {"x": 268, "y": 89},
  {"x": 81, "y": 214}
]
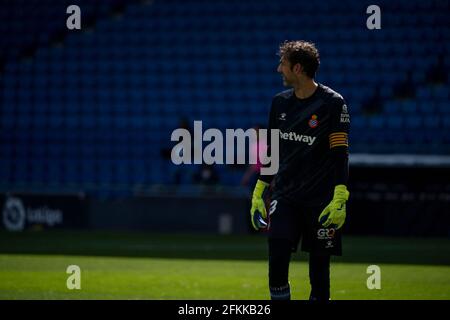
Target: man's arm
[
  {"x": 258, "y": 211},
  {"x": 335, "y": 212},
  {"x": 338, "y": 138},
  {"x": 271, "y": 125}
]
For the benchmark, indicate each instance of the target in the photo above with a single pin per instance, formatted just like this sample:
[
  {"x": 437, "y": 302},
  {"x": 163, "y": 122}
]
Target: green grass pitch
[{"x": 118, "y": 265}]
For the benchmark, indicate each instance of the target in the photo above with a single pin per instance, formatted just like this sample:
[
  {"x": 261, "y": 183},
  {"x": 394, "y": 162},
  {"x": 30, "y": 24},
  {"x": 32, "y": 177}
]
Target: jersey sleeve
[
  {"x": 338, "y": 139},
  {"x": 272, "y": 124},
  {"x": 339, "y": 124}
]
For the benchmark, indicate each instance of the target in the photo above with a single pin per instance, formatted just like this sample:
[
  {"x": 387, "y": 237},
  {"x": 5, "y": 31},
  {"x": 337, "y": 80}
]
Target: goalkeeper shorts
[{"x": 299, "y": 222}]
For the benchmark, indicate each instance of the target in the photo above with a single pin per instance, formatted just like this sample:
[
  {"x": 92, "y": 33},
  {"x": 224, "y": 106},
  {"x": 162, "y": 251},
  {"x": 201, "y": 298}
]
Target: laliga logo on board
[{"x": 14, "y": 214}]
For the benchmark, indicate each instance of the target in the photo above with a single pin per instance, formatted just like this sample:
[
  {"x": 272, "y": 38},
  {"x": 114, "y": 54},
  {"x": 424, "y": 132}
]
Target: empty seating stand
[{"x": 96, "y": 107}]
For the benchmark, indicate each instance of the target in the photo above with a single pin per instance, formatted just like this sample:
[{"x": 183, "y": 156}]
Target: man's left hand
[{"x": 334, "y": 213}]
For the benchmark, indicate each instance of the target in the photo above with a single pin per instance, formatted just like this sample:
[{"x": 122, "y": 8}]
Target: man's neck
[{"x": 305, "y": 89}]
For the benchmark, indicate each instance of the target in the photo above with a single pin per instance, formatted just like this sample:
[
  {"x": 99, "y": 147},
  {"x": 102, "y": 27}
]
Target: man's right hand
[{"x": 258, "y": 211}]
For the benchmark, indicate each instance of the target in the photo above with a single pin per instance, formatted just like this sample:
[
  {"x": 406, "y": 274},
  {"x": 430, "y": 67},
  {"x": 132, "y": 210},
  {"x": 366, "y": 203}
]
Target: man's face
[{"x": 288, "y": 75}]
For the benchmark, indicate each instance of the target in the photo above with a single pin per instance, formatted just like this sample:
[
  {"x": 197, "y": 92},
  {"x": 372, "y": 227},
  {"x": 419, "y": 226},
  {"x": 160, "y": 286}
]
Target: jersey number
[{"x": 273, "y": 207}]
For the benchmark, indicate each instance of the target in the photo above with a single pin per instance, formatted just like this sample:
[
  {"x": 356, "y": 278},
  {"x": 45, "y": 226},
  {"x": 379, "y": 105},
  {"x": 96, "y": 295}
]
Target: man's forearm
[
  {"x": 266, "y": 178},
  {"x": 340, "y": 156}
]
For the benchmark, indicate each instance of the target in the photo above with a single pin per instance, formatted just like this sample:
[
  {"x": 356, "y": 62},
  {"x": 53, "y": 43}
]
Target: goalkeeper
[{"x": 309, "y": 193}]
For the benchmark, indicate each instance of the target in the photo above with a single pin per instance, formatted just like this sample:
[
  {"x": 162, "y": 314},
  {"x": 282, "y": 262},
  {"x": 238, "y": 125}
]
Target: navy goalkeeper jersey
[{"x": 313, "y": 137}]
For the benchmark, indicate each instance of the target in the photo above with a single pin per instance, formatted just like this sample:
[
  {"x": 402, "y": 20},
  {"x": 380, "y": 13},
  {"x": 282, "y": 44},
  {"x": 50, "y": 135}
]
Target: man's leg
[
  {"x": 319, "y": 276},
  {"x": 279, "y": 258},
  {"x": 321, "y": 243}
]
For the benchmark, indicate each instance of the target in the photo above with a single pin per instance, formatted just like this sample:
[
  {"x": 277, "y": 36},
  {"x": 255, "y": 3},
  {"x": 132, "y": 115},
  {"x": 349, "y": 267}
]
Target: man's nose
[{"x": 279, "y": 68}]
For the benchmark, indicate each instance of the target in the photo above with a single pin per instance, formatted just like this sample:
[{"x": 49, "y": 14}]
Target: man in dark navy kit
[{"x": 309, "y": 193}]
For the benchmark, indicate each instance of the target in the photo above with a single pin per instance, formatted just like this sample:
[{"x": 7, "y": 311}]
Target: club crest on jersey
[
  {"x": 282, "y": 116},
  {"x": 313, "y": 122}
]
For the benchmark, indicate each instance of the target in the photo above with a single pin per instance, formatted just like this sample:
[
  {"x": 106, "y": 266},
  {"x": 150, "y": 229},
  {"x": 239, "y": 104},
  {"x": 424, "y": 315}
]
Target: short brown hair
[{"x": 302, "y": 52}]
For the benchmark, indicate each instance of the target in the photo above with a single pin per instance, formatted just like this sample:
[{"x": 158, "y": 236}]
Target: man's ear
[{"x": 297, "y": 68}]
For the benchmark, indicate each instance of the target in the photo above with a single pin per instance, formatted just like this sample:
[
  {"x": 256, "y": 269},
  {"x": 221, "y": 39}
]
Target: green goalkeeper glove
[
  {"x": 334, "y": 213},
  {"x": 258, "y": 211}
]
